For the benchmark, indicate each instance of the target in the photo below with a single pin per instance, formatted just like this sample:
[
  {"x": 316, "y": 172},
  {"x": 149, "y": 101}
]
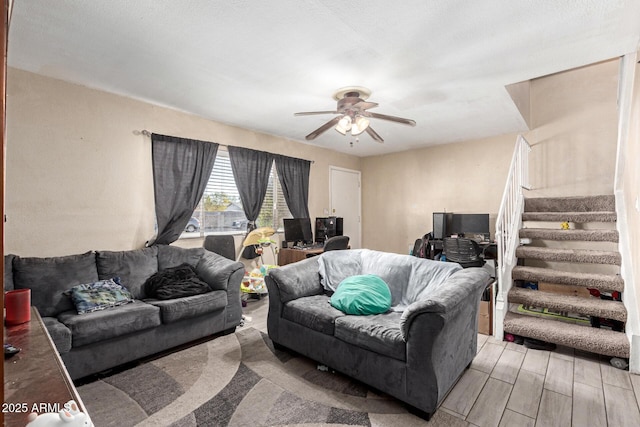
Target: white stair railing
[{"x": 508, "y": 225}]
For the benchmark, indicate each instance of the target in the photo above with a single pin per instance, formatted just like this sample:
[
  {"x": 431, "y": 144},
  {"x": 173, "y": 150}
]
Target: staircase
[{"x": 585, "y": 256}]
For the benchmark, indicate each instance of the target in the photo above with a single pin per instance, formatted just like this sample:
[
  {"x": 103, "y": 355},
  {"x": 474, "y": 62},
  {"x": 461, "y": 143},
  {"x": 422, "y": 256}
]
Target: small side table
[{"x": 36, "y": 375}]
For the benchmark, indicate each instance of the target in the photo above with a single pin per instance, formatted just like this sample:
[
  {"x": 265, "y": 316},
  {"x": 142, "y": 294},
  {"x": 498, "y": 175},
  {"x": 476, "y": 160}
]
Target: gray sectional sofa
[
  {"x": 414, "y": 352},
  {"x": 92, "y": 342}
]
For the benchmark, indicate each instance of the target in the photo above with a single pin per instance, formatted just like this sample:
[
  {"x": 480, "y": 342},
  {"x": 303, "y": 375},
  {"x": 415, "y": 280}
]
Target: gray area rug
[{"x": 241, "y": 380}]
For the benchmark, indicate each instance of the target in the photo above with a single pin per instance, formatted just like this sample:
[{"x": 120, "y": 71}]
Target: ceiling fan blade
[
  {"x": 374, "y": 134},
  {"x": 312, "y": 113},
  {"x": 364, "y": 105},
  {"x": 323, "y": 128},
  {"x": 392, "y": 118}
]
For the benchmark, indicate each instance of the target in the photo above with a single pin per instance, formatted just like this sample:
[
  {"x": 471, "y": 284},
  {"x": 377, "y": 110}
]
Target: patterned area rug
[{"x": 241, "y": 380}]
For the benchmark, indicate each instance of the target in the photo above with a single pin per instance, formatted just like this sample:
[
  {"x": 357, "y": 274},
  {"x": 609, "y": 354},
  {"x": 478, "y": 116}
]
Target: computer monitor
[
  {"x": 298, "y": 230},
  {"x": 470, "y": 225}
]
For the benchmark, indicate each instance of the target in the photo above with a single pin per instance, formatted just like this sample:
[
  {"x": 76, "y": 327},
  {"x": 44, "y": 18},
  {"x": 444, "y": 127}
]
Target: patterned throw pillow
[{"x": 99, "y": 295}]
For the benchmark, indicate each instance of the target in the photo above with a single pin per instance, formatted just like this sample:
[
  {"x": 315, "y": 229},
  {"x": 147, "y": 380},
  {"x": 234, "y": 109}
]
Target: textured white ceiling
[{"x": 442, "y": 63}]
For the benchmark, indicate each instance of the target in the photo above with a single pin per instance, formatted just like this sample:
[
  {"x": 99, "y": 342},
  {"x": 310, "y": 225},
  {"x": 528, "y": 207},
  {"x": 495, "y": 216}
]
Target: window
[{"x": 220, "y": 209}]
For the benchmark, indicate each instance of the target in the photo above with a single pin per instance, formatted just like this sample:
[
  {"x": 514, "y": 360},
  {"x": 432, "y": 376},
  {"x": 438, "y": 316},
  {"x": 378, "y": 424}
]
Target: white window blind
[{"x": 220, "y": 209}]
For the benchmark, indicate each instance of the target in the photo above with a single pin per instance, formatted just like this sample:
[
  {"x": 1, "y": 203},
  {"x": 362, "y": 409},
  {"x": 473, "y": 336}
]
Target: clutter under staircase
[{"x": 570, "y": 248}]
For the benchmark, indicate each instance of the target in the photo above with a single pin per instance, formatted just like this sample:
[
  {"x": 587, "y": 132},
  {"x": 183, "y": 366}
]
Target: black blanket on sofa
[{"x": 176, "y": 282}]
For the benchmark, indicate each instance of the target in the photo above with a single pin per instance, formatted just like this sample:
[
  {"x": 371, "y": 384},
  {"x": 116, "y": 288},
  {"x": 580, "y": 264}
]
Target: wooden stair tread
[
  {"x": 572, "y": 304},
  {"x": 595, "y": 340}
]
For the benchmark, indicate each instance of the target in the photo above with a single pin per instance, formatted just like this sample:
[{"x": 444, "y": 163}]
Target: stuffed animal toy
[
  {"x": 564, "y": 225},
  {"x": 69, "y": 416}
]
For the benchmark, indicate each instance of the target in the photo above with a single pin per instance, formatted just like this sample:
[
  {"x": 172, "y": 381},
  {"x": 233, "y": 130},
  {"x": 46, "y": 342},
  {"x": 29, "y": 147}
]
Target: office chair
[
  {"x": 224, "y": 245},
  {"x": 465, "y": 252},
  {"x": 334, "y": 244}
]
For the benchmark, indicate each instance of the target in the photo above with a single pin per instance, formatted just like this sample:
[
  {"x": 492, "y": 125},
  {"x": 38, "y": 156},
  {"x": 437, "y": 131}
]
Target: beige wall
[
  {"x": 400, "y": 191},
  {"x": 574, "y": 146},
  {"x": 574, "y": 135},
  {"x": 79, "y": 179}
]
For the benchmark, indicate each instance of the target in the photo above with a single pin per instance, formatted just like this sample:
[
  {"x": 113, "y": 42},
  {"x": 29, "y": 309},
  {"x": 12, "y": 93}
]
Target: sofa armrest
[
  {"x": 216, "y": 270},
  {"x": 444, "y": 299},
  {"x": 441, "y": 333},
  {"x": 296, "y": 280},
  {"x": 287, "y": 283},
  {"x": 221, "y": 273}
]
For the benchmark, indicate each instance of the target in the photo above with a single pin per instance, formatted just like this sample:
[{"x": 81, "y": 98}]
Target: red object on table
[{"x": 18, "y": 305}]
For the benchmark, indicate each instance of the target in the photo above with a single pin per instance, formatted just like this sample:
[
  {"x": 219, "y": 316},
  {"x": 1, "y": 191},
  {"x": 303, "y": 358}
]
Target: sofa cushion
[
  {"x": 8, "y": 272},
  {"x": 132, "y": 267},
  {"x": 335, "y": 266},
  {"x": 48, "y": 278},
  {"x": 175, "y": 282},
  {"x": 379, "y": 333},
  {"x": 296, "y": 280},
  {"x": 99, "y": 295},
  {"x": 114, "y": 322},
  {"x": 410, "y": 279},
  {"x": 173, "y": 256},
  {"x": 185, "y": 308},
  {"x": 362, "y": 295},
  {"x": 314, "y": 312},
  {"x": 59, "y": 333}
]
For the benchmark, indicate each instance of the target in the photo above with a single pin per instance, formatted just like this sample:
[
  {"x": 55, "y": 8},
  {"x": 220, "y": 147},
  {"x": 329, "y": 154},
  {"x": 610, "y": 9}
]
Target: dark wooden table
[
  {"x": 36, "y": 375},
  {"x": 289, "y": 255}
]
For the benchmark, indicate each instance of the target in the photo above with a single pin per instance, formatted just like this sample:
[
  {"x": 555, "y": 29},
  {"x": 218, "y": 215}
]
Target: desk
[
  {"x": 289, "y": 255},
  {"x": 36, "y": 375},
  {"x": 489, "y": 249}
]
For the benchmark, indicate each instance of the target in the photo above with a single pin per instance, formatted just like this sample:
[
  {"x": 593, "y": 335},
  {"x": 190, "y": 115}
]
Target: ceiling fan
[{"x": 354, "y": 117}]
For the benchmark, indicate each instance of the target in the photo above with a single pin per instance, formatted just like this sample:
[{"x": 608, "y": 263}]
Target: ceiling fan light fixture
[
  {"x": 361, "y": 123},
  {"x": 352, "y": 115},
  {"x": 344, "y": 125}
]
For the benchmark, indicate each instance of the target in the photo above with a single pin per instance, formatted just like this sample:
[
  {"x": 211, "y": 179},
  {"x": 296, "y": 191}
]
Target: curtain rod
[{"x": 147, "y": 133}]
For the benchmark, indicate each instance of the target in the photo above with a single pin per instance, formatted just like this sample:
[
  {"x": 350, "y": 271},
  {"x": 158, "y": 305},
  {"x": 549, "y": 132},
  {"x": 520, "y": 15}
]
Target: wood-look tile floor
[{"x": 511, "y": 385}]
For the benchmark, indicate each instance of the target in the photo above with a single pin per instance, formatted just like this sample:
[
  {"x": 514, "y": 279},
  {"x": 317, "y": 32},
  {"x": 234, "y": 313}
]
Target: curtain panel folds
[
  {"x": 293, "y": 174},
  {"x": 181, "y": 170},
  {"x": 251, "y": 169}
]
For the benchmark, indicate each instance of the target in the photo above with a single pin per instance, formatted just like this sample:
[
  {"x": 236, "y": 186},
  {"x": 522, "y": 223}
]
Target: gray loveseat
[
  {"x": 92, "y": 342},
  {"x": 414, "y": 352}
]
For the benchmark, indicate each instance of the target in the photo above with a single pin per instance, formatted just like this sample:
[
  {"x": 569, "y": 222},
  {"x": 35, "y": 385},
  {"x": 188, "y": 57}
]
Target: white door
[{"x": 345, "y": 202}]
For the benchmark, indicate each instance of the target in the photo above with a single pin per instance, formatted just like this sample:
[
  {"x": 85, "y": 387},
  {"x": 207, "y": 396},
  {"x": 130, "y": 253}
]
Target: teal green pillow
[{"x": 362, "y": 295}]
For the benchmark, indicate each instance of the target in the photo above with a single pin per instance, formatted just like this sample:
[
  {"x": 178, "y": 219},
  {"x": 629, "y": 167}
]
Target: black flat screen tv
[{"x": 298, "y": 230}]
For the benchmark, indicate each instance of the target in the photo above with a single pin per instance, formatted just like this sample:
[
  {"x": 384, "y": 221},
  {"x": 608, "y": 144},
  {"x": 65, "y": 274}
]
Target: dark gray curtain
[
  {"x": 251, "y": 170},
  {"x": 181, "y": 170},
  {"x": 294, "y": 179}
]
